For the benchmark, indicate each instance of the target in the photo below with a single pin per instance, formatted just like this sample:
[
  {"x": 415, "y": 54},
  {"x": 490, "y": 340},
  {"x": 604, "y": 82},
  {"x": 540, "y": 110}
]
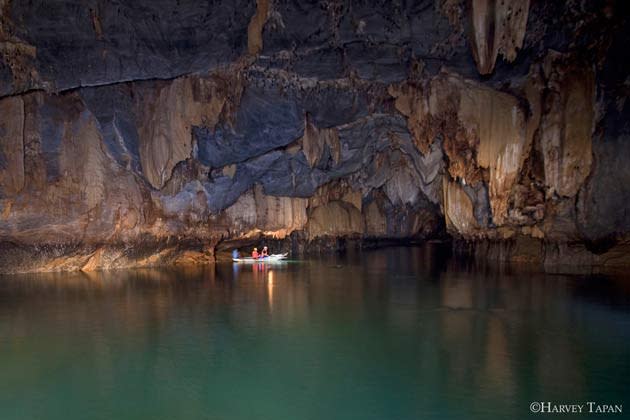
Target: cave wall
[{"x": 147, "y": 133}]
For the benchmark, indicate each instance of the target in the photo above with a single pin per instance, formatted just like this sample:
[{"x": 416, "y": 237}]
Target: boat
[{"x": 270, "y": 258}]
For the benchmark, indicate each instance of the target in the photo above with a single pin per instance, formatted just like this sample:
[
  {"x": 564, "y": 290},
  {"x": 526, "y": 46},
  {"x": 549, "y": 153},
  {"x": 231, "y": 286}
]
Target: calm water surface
[{"x": 401, "y": 333}]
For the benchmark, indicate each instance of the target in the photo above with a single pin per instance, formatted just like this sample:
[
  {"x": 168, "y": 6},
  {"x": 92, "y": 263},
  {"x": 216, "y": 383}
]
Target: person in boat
[
  {"x": 235, "y": 254},
  {"x": 264, "y": 253},
  {"x": 255, "y": 253}
]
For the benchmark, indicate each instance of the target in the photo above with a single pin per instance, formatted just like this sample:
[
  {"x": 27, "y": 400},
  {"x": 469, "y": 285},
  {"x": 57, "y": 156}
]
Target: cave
[
  {"x": 466, "y": 137},
  {"x": 169, "y": 132}
]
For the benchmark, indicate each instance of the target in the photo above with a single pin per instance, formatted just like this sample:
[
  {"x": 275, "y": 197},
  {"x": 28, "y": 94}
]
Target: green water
[{"x": 402, "y": 333}]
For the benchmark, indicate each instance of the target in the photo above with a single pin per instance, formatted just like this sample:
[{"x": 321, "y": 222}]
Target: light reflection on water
[{"x": 396, "y": 333}]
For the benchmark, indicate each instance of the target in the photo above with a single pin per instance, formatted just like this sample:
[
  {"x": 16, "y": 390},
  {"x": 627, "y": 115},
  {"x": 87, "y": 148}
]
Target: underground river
[{"x": 397, "y": 333}]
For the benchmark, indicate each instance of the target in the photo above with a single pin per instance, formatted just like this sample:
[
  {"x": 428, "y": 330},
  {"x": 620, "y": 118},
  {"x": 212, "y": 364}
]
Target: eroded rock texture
[
  {"x": 498, "y": 27},
  {"x": 151, "y": 133}
]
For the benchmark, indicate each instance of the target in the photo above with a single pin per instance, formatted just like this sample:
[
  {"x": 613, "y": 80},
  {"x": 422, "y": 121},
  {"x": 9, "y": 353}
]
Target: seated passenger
[
  {"x": 235, "y": 254},
  {"x": 255, "y": 253},
  {"x": 264, "y": 253}
]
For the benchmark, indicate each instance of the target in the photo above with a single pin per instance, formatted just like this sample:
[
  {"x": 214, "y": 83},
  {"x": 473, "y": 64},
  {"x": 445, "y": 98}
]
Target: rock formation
[{"x": 151, "y": 133}]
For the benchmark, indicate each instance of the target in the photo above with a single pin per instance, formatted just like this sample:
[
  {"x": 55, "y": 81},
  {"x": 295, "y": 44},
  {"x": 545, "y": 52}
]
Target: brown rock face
[
  {"x": 497, "y": 27},
  {"x": 315, "y": 140},
  {"x": 336, "y": 218},
  {"x": 168, "y": 111},
  {"x": 375, "y": 222},
  {"x": 255, "y": 28},
  {"x": 412, "y": 101},
  {"x": 567, "y": 125},
  {"x": 11, "y": 145},
  {"x": 503, "y": 144},
  {"x": 276, "y": 217},
  {"x": 482, "y": 129},
  {"x": 16, "y": 54},
  {"x": 458, "y": 210},
  {"x": 336, "y": 191}
]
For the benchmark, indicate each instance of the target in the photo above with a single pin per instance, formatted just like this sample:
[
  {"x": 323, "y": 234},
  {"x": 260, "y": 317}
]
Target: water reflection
[{"x": 397, "y": 333}]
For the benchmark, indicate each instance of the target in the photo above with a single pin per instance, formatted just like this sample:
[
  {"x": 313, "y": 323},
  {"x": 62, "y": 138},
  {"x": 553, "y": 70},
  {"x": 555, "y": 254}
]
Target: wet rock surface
[{"x": 153, "y": 133}]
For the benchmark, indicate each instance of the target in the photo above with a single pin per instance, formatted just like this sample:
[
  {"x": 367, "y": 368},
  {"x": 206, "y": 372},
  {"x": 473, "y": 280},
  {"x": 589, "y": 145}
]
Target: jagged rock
[
  {"x": 315, "y": 141},
  {"x": 503, "y": 144},
  {"x": 434, "y": 110},
  {"x": 412, "y": 102},
  {"x": 498, "y": 27},
  {"x": 166, "y": 115},
  {"x": 385, "y": 155},
  {"x": 481, "y": 128}
]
